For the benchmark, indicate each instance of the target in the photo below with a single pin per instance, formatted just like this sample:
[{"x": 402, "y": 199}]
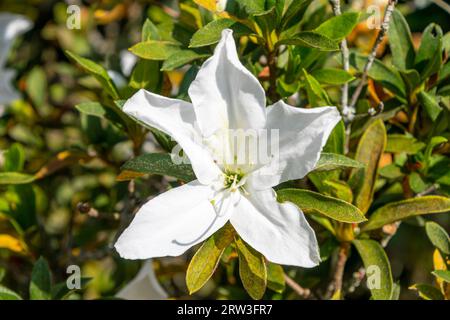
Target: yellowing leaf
[
  {"x": 206, "y": 259},
  {"x": 400, "y": 210},
  {"x": 252, "y": 270},
  {"x": 370, "y": 149},
  {"x": 11, "y": 243}
]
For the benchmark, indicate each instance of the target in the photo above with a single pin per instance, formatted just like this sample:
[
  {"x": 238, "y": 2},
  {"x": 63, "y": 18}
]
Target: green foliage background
[{"x": 75, "y": 167}]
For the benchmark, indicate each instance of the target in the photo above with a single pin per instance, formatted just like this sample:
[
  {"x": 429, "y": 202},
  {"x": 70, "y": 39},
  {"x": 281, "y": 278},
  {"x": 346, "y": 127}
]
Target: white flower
[
  {"x": 225, "y": 97},
  {"x": 11, "y": 26},
  {"x": 144, "y": 286}
]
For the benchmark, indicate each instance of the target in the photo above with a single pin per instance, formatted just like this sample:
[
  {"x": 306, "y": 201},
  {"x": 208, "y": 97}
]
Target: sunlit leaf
[
  {"x": 339, "y": 27},
  {"x": 309, "y": 201},
  {"x": 8, "y": 294},
  {"x": 154, "y": 49},
  {"x": 181, "y": 58},
  {"x": 377, "y": 267},
  {"x": 275, "y": 277},
  {"x": 311, "y": 39},
  {"x": 427, "y": 292},
  {"x": 438, "y": 236},
  {"x": 400, "y": 210},
  {"x": 442, "y": 274},
  {"x": 400, "y": 42},
  {"x": 332, "y": 161},
  {"x": 15, "y": 178}
]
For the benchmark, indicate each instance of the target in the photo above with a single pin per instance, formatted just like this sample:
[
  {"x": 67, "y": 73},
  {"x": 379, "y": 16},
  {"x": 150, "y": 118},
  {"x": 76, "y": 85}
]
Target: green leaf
[
  {"x": 149, "y": 31},
  {"x": 370, "y": 148},
  {"x": 332, "y": 76},
  {"x": 428, "y": 101},
  {"x": 15, "y": 178},
  {"x": 336, "y": 140},
  {"x": 206, "y": 259},
  {"x": 98, "y": 110},
  {"x": 8, "y": 294},
  {"x": 181, "y": 58},
  {"x": 399, "y": 143},
  {"x": 404, "y": 209},
  {"x": 317, "y": 96},
  {"x": 294, "y": 13},
  {"x": 442, "y": 274},
  {"x": 40, "y": 285},
  {"x": 14, "y": 158},
  {"x": 161, "y": 164},
  {"x": 311, "y": 39},
  {"x": 155, "y": 49},
  {"x": 252, "y": 270},
  {"x": 381, "y": 73},
  {"x": 37, "y": 86},
  {"x": 427, "y": 292},
  {"x": 438, "y": 236},
  {"x": 275, "y": 277},
  {"x": 97, "y": 71},
  {"x": 313, "y": 202},
  {"x": 332, "y": 161},
  {"x": 146, "y": 75},
  {"x": 377, "y": 265},
  {"x": 338, "y": 27},
  {"x": 429, "y": 56},
  {"x": 400, "y": 42},
  {"x": 212, "y": 32}
]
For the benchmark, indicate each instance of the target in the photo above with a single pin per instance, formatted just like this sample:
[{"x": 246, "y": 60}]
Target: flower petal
[
  {"x": 11, "y": 25},
  {"x": 144, "y": 286},
  {"x": 278, "y": 230},
  {"x": 302, "y": 133},
  {"x": 176, "y": 118},
  {"x": 225, "y": 94},
  {"x": 171, "y": 223}
]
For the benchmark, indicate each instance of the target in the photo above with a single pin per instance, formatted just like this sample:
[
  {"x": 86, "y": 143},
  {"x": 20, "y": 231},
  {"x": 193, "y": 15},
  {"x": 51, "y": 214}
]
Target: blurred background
[{"x": 71, "y": 213}]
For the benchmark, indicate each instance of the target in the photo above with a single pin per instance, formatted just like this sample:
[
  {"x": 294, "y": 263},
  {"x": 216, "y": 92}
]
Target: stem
[
  {"x": 346, "y": 111},
  {"x": 336, "y": 286},
  {"x": 444, "y": 5},
  {"x": 302, "y": 292},
  {"x": 272, "y": 64},
  {"x": 384, "y": 28}
]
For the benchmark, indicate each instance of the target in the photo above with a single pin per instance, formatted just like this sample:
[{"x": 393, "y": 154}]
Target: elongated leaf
[
  {"x": 332, "y": 161},
  {"x": 212, "y": 32},
  {"x": 427, "y": 292},
  {"x": 146, "y": 75},
  {"x": 252, "y": 270},
  {"x": 40, "y": 285},
  {"x": 338, "y": 27},
  {"x": 311, "y": 39},
  {"x": 8, "y": 294},
  {"x": 317, "y": 96},
  {"x": 309, "y": 201},
  {"x": 431, "y": 106},
  {"x": 370, "y": 148},
  {"x": 429, "y": 56},
  {"x": 332, "y": 76},
  {"x": 159, "y": 163},
  {"x": 398, "y": 143},
  {"x": 294, "y": 13},
  {"x": 438, "y": 236},
  {"x": 400, "y": 42},
  {"x": 379, "y": 277},
  {"x": 181, "y": 58},
  {"x": 155, "y": 50},
  {"x": 97, "y": 71},
  {"x": 15, "y": 178},
  {"x": 14, "y": 158},
  {"x": 336, "y": 140},
  {"x": 275, "y": 277},
  {"x": 381, "y": 73},
  {"x": 442, "y": 274},
  {"x": 206, "y": 259},
  {"x": 404, "y": 209}
]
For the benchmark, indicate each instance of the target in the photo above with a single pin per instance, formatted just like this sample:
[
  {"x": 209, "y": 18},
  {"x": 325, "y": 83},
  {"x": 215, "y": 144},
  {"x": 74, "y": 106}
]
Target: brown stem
[
  {"x": 272, "y": 64},
  {"x": 384, "y": 28},
  {"x": 339, "y": 270},
  {"x": 298, "y": 289}
]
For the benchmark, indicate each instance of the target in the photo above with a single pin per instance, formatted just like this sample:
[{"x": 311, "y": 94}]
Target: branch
[
  {"x": 302, "y": 292},
  {"x": 346, "y": 111},
  {"x": 444, "y": 5},
  {"x": 384, "y": 28},
  {"x": 336, "y": 285}
]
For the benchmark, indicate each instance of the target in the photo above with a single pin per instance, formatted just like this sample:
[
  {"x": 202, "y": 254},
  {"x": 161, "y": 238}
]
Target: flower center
[{"x": 234, "y": 180}]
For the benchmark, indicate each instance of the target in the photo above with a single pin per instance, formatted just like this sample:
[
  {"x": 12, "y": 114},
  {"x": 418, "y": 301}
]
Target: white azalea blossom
[
  {"x": 11, "y": 26},
  {"x": 227, "y": 98},
  {"x": 144, "y": 286}
]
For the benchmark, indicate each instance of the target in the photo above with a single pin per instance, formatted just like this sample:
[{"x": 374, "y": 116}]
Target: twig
[
  {"x": 444, "y": 5},
  {"x": 384, "y": 28},
  {"x": 272, "y": 64},
  {"x": 336, "y": 285},
  {"x": 298, "y": 289},
  {"x": 346, "y": 111}
]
